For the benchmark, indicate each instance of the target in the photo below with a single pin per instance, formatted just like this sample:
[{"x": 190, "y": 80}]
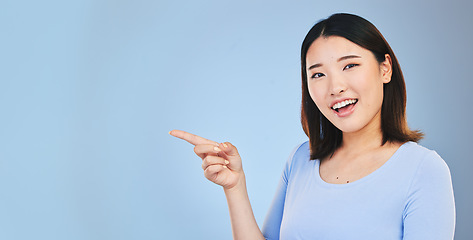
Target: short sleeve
[
  {"x": 272, "y": 223},
  {"x": 430, "y": 208}
]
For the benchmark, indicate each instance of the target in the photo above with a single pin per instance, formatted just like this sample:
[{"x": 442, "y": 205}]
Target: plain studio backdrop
[{"x": 90, "y": 89}]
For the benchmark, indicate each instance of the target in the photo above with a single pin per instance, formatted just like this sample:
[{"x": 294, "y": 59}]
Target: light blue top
[{"x": 410, "y": 197}]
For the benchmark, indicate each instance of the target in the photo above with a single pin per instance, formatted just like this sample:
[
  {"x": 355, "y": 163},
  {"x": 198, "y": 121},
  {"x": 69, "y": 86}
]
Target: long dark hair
[{"x": 324, "y": 137}]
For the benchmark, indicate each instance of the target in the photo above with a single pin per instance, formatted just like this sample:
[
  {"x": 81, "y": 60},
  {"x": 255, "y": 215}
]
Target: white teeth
[{"x": 343, "y": 104}]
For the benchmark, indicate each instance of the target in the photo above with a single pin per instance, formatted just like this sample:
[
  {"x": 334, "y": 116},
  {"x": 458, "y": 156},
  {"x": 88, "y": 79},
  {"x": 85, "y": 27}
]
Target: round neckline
[{"x": 363, "y": 179}]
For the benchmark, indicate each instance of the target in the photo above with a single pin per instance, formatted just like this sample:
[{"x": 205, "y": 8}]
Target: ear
[{"x": 386, "y": 68}]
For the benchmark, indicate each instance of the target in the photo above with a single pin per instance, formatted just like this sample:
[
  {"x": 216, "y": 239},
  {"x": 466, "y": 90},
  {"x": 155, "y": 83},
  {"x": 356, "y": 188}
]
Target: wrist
[{"x": 238, "y": 187}]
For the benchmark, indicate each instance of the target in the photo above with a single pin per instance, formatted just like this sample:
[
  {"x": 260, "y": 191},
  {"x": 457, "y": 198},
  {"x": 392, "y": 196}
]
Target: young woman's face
[{"x": 346, "y": 83}]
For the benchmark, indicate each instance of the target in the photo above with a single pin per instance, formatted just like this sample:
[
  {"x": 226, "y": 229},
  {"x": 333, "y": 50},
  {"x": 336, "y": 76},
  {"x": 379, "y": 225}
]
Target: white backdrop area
[{"x": 89, "y": 90}]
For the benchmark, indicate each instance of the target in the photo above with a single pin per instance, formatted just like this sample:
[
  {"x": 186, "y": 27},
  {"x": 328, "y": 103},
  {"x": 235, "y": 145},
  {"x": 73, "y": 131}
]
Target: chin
[{"x": 349, "y": 128}]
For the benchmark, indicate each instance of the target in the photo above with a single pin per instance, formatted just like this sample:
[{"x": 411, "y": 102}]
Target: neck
[{"x": 366, "y": 139}]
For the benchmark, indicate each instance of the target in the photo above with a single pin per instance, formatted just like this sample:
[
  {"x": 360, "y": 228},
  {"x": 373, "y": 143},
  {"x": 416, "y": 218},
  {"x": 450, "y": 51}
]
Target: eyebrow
[{"x": 339, "y": 60}]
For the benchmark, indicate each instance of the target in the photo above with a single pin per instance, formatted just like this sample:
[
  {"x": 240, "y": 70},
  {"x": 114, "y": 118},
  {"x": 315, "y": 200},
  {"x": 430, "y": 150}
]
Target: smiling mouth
[{"x": 343, "y": 104}]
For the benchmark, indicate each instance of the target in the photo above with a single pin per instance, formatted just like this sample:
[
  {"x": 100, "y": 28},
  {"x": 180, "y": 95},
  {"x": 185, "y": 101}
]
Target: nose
[{"x": 337, "y": 85}]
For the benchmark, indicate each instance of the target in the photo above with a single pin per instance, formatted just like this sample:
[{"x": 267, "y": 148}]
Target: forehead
[{"x": 326, "y": 49}]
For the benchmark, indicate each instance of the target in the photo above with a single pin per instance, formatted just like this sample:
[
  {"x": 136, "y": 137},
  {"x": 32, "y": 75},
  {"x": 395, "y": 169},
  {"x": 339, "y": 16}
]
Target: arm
[
  {"x": 272, "y": 223},
  {"x": 244, "y": 224},
  {"x": 222, "y": 165},
  {"x": 430, "y": 208}
]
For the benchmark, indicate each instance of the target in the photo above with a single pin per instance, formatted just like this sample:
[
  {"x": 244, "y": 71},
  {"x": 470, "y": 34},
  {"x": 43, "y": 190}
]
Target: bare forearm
[{"x": 243, "y": 221}]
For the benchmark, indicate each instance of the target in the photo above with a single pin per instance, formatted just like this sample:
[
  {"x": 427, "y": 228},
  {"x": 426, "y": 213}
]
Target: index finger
[{"x": 191, "y": 138}]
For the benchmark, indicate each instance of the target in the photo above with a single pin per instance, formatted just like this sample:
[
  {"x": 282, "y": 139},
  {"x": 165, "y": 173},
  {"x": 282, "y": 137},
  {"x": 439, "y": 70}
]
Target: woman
[{"x": 361, "y": 175}]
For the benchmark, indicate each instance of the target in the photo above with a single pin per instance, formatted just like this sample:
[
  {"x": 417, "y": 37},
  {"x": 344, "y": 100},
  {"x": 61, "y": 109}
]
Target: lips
[{"x": 340, "y": 105}]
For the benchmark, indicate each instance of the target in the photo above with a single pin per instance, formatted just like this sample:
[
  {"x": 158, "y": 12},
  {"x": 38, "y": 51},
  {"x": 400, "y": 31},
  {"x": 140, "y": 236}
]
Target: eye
[
  {"x": 350, "y": 66},
  {"x": 317, "y": 75}
]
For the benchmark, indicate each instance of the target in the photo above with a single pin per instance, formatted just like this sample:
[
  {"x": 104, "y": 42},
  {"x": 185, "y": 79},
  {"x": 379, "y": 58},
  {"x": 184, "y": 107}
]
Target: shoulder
[
  {"x": 427, "y": 169},
  {"x": 423, "y": 158},
  {"x": 299, "y": 156},
  {"x": 301, "y": 153},
  {"x": 429, "y": 200}
]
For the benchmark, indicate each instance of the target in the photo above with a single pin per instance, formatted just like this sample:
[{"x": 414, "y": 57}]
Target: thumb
[
  {"x": 232, "y": 155},
  {"x": 230, "y": 150}
]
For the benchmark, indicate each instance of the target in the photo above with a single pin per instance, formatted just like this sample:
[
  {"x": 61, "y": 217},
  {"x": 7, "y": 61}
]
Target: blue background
[{"x": 90, "y": 89}]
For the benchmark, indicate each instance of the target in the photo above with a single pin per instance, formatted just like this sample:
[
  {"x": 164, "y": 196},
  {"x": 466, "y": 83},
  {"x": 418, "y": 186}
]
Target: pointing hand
[{"x": 221, "y": 162}]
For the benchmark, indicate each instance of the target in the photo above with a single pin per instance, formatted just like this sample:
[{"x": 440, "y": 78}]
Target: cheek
[
  {"x": 374, "y": 94},
  {"x": 369, "y": 84},
  {"x": 317, "y": 93}
]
